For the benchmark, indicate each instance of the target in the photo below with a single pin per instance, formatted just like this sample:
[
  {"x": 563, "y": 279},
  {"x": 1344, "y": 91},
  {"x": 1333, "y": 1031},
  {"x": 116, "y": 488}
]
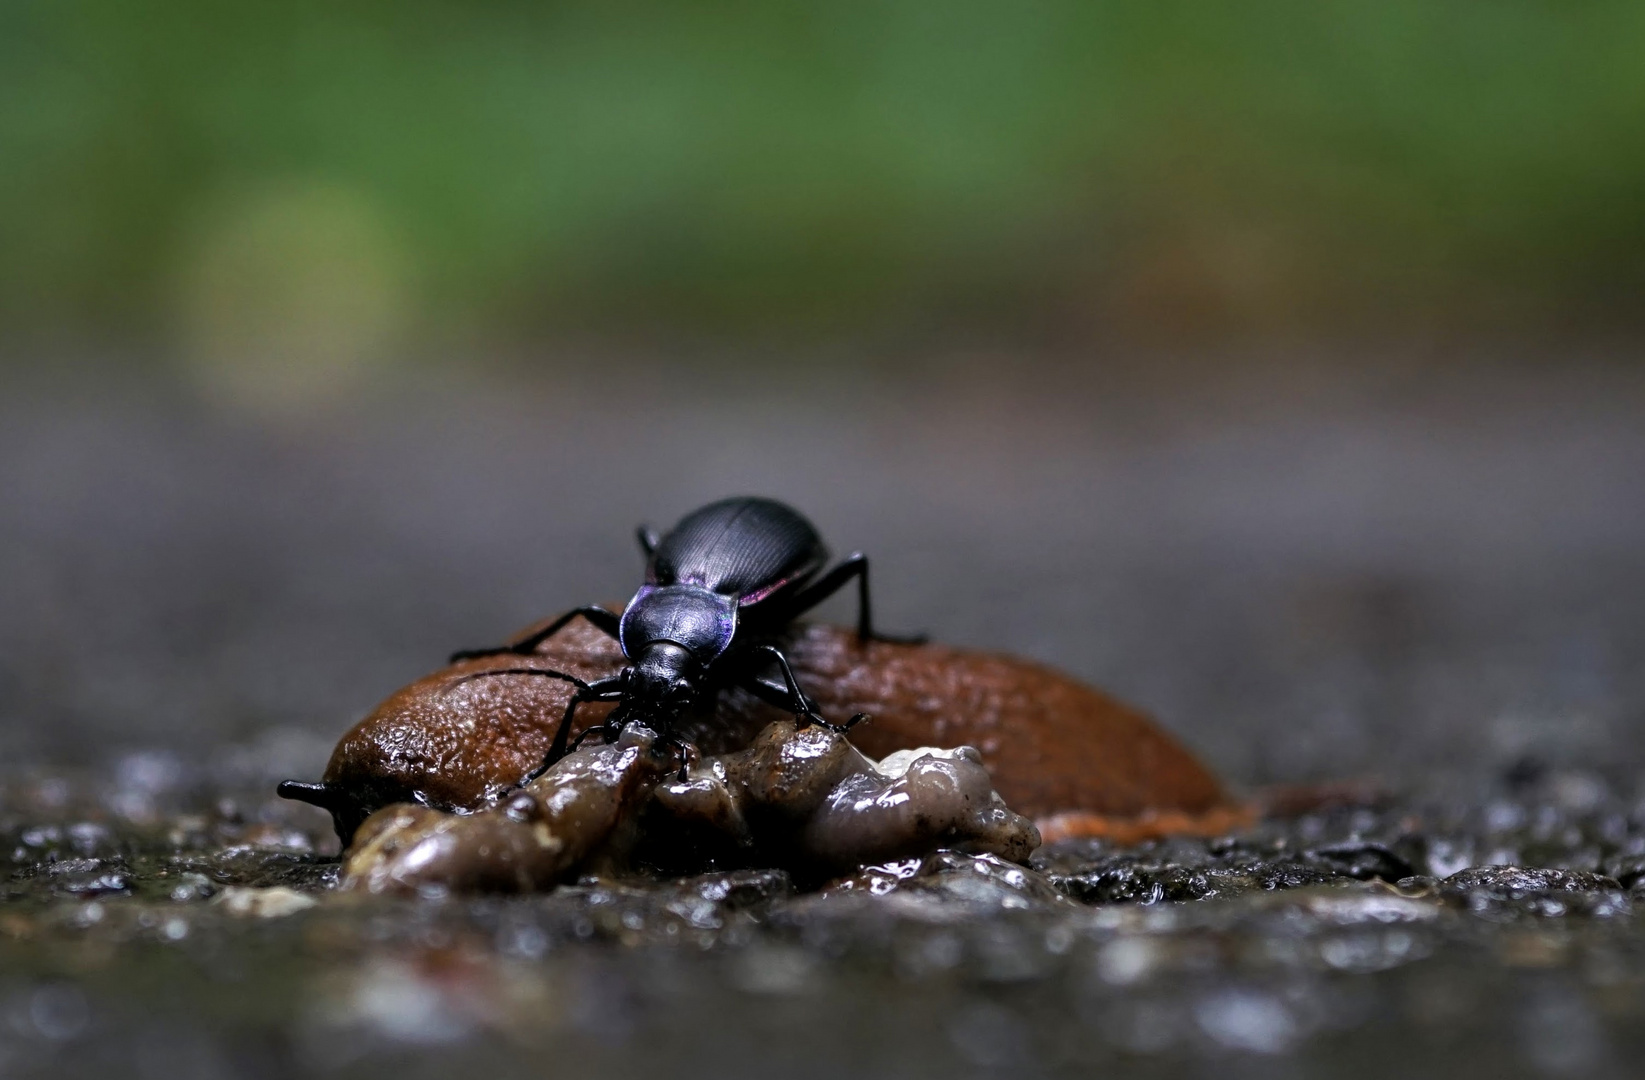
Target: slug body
[{"x": 1057, "y": 750}]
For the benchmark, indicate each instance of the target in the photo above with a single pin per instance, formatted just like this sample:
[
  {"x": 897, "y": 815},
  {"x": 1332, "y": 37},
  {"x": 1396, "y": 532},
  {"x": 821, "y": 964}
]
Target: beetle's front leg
[
  {"x": 789, "y": 696},
  {"x": 685, "y": 748},
  {"x": 603, "y": 690}
]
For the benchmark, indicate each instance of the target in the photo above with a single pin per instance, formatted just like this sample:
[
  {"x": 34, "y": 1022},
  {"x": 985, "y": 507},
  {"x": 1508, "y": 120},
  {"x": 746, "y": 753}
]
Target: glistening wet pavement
[
  {"x": 181, "y": 932},
  {"x": 1433, "y": 577}
]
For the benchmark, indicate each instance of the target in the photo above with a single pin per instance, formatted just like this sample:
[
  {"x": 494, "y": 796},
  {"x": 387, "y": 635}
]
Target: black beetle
[{"x": 718, "y": 587}]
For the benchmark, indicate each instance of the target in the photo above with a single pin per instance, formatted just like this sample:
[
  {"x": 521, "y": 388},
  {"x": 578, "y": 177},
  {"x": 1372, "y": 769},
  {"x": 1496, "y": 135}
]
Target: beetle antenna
[{"x": 547, "y": 673}]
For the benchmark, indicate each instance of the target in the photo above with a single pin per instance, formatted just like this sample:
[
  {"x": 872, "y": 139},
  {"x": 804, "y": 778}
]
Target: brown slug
[{"x": 1058, "y": 751}]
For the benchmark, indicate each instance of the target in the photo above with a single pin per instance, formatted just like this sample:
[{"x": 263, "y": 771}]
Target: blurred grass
[{"x": 517, "y": 169}]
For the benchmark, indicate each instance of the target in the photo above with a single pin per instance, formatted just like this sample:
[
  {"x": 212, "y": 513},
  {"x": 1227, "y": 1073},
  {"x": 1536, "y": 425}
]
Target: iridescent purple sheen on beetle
[
  {"x": 698, "y": 620},
  {"x": 719, "y": 589}
]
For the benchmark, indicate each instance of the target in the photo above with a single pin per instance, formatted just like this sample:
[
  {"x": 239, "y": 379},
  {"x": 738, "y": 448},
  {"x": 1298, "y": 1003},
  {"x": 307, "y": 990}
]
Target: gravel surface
[
  {"x": 187, "y": 932},
  {"x": 1427, "y": 573}
]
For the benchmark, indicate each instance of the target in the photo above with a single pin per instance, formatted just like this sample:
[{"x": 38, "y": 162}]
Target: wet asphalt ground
[{"x": 1426, "y": 573}]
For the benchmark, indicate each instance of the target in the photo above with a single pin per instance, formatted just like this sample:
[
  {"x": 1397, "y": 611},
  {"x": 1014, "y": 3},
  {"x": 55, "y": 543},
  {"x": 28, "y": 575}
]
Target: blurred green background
[{"x": 324, "y": 183}]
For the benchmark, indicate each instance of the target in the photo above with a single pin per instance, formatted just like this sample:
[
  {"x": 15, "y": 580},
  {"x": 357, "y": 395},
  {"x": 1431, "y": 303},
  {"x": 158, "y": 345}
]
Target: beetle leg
[
  {"x": 771, "y": 693},
  {"x": 854, "y": 565},
  {"x": 604, "y": 690},
  {"x": 609, "y": 730},
  {"x": 789, "y": 696},
  {"x": 606, "y": 621},
  {"x": 686, "y": 749}
]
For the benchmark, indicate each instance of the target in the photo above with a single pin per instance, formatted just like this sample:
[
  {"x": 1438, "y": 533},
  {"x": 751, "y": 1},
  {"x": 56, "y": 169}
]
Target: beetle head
[{"x": 664, "y": 683}]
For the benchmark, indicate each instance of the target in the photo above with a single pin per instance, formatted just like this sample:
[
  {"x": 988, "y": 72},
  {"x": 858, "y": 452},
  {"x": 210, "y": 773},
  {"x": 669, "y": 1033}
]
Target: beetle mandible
[{"x": 718, "y": 587}]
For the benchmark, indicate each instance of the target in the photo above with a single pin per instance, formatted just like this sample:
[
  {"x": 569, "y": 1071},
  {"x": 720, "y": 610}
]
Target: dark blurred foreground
[{"x": 165, "y": 926}]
